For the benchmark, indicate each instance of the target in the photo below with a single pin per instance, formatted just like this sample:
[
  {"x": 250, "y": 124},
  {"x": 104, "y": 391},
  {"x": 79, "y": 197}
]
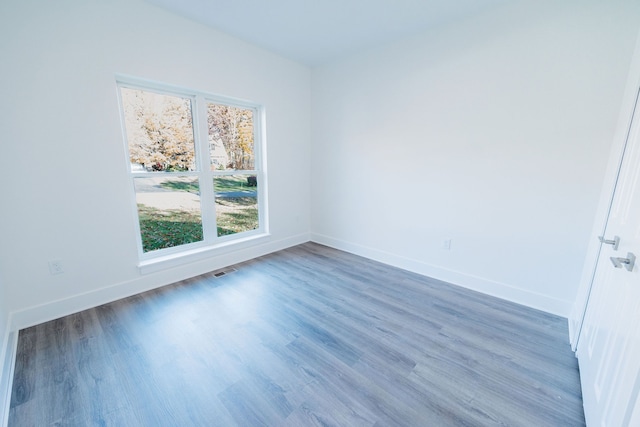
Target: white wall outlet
[
  {"x": 55, "y": 267},
  {"x": 446, "y": 244}
]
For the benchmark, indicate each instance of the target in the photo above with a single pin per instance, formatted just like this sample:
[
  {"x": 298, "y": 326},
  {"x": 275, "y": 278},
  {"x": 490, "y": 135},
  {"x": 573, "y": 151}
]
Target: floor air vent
[{"x": 224, "y": 271}]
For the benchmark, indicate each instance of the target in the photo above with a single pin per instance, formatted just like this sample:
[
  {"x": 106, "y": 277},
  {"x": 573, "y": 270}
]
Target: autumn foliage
[{"x": 160, "y": 132}]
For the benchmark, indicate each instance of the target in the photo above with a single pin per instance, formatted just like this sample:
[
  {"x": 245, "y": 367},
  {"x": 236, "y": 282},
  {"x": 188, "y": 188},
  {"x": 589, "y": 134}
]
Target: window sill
[{"x": 193, "y": 255}]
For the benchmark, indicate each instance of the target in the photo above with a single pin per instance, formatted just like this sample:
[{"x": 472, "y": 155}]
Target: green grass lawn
[
  {"x": 236, "y": 215},
  {"x": 188, "y": 186},
  {"x": 165, "y": 229},
  {"x": 231, "y": 183},
  {"x": 162, "y": 229},
  {"x": 221, "y": 184}
]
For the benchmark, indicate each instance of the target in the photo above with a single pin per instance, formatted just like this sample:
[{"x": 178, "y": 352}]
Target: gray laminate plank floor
[{"x": 302, "y": 337}]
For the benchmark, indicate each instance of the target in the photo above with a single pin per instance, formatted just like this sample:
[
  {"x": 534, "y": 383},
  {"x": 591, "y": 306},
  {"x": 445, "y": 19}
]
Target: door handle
[
  {"x": 615, "y": 242},
  {"x": 628, "y": 262}
]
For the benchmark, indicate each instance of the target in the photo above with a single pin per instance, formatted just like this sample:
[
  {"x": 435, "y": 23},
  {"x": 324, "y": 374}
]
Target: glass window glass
[
  {"x": 169, "y": 211},
  {"x": 231, "y": 144},
  {"x": 236, "y": 203},
  {"x": 159, "y": 131}
]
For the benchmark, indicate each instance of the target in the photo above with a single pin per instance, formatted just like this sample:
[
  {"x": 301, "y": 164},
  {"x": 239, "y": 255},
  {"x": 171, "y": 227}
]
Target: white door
[{"x": 609, "y": 345}]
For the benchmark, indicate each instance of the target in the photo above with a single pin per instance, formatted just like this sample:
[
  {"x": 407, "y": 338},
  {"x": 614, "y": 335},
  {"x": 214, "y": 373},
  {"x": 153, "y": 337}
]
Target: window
[{"x": 195, "y": 167}]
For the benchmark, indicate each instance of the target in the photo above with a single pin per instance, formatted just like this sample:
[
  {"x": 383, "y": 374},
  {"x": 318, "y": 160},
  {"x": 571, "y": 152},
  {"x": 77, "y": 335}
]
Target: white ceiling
[{"x": 317, "y": 31}]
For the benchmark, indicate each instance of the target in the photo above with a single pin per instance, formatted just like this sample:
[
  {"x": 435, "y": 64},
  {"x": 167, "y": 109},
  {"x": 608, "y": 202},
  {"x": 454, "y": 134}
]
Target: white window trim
[{"x": 211, "y": 243}]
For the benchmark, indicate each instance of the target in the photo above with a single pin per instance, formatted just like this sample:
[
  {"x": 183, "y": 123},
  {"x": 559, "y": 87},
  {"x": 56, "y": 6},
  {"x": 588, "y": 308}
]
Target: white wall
[
  {"x": 65, "y": 193},
  {"x": 537, "y": 87},
  {"x": 494, "y": 132}
]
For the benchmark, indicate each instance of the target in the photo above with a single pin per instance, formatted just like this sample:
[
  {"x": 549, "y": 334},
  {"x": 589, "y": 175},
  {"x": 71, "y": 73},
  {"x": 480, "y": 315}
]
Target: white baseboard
[
  {"x": 55, "y": 309},
  {"x": 479, "y": 284},
  {"x": 52, "y": 310}
]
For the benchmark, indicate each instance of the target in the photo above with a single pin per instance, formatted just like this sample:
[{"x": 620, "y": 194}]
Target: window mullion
[
  {"x": 207, "y": 196},
  {"x": 260, "y": 166}
]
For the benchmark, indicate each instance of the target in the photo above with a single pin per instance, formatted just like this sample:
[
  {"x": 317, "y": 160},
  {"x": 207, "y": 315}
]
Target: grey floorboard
[{"x": 308, "y": 336}]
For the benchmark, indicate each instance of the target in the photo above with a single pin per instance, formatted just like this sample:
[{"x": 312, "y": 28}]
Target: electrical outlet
[
  {"x": 55, "y": 267},
  {"x": 446, "y": 244}
]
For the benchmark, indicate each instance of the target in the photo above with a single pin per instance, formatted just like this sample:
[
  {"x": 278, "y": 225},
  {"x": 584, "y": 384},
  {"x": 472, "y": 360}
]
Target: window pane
[
  {"x": 169, "y": 211},
  {"x": 159, "y": 131},
  {"x": 230, "y": 137},
  {"x": 236, "y": 203}
]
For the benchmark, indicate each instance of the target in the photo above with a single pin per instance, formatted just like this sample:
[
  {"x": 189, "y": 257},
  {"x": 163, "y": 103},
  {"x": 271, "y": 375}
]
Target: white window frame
[{"x": 176, "y": 255}]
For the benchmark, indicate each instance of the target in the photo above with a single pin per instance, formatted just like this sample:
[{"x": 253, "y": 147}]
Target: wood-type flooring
[{"x": 308, "y": 336}]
